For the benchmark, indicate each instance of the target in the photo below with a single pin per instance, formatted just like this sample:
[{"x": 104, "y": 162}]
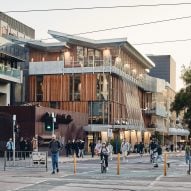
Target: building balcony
[
  {"x": 95, "y": 66},
  {"x": 157, "y": 109},
  {"x": 10, "y": 74}
]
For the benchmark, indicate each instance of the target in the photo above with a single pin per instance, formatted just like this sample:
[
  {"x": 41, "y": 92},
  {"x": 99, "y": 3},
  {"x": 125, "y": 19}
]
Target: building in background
[
  {"x": 13, "y": 59},
  {"x": 165, "y": 121},
  {"x": 107, "y": 79},
  {"x": 165, "y": 68}
]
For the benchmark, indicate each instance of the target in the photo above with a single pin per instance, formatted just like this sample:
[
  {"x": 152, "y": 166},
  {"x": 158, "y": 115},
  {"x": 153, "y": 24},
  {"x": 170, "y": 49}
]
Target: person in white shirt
[
  {"x": 110, "y": 148},
  {"x": 98, "y": 148},
  {"x": 124, "y": 149}
]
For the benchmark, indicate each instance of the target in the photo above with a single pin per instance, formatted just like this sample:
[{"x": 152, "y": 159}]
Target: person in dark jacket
[
  {"x": 22, "y": 145},
  {"x": 68, "y": 148},
  {"x": 92, "y": 148},
  {"x": 54, "y": 147}
]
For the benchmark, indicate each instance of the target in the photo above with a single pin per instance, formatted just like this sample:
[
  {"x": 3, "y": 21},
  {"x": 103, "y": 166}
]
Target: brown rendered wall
[{"x": 29, "y": 120}]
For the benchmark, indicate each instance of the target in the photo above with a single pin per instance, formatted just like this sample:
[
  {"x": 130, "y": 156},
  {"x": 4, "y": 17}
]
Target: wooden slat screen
[{"x": 32, "y": 88}]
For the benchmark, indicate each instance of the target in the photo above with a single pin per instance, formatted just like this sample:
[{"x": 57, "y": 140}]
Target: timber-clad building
[{"x": 105, "y": 78}]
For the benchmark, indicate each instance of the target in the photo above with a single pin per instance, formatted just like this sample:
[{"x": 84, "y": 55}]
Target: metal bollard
[
  {"x": 118, "y": 163},
  {"x": 74, "y": 164},
  {"x": 165, "y": 159}
]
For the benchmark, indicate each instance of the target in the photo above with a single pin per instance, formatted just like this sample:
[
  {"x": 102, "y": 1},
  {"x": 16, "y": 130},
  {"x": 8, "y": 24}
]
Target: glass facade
[
  {"x": 75, "y": 87},
  {"x": 98, "y": 112}
]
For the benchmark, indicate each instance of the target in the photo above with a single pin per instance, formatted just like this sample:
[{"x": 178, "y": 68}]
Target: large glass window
[
  {"x": 98, "y": 112},
  {"x": 98, "y": 58},
  {"x": 90, "y": 57},
  {"x": 39, "y": 92},
  {"x": 75, "y": 87},
  {"x": 102, "y": 87},
  {"x": 80, "y": 56}
]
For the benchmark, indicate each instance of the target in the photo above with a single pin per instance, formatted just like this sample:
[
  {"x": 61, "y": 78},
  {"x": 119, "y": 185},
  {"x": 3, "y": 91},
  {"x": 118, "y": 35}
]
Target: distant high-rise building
[{"x": 165, "y": 68}]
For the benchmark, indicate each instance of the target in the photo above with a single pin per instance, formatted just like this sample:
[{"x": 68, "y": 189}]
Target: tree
[{"x": 182, "y": 100}]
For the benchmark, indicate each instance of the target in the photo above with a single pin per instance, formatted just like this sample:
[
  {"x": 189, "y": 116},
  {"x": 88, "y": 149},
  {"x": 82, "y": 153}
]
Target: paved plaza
[{"x": 136, "y": 174}]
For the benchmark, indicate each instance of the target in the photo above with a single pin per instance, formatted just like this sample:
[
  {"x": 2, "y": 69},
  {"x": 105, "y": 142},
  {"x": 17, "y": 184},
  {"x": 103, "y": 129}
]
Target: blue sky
[{"x": 77, "y": 21}]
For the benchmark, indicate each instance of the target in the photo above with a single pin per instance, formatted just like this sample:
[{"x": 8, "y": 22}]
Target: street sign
[
  {"x": 109, "y": 133},
  {"x": 39, "y": 157}
]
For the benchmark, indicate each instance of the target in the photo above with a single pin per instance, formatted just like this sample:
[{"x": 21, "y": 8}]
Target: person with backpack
[
  {"x": 187, "y": 153},
  {"x": 54, "y": 147}
]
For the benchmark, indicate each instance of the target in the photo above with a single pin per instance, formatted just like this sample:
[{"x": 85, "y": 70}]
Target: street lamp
[
  {"x": 14, "y": 123},
  {"x": 53, "y": 121}
]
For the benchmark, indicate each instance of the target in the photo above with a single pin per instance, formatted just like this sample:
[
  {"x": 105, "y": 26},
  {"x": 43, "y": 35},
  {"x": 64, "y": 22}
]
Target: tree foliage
[{"x": 182, "y": 100}]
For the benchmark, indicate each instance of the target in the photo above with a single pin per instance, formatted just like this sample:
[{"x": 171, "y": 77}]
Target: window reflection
[
  {"x": 75, "y": 87},
  {"x": 98, "y": 112}
]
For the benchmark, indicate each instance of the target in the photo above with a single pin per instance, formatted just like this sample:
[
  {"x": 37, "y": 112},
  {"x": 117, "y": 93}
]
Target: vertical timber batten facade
[{"x": 106, "y": 79}]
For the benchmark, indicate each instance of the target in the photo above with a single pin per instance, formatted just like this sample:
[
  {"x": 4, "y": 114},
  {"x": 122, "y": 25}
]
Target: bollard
[
  {"x": 165, "y": 159},
  {"x": 74, "y": 164},
  {"x": 118, "y": 164}
]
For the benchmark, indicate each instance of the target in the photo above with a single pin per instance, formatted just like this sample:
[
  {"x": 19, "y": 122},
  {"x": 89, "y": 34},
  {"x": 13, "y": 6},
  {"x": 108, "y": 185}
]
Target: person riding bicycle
[{"x": 104, "y": 152}]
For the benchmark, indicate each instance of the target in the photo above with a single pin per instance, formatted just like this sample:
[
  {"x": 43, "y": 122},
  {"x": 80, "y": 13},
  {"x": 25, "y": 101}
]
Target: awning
[
  {"x": 178, "y": 131},
  {"x": 97, "y": 127},
  {"x": 101, "y": 127}
]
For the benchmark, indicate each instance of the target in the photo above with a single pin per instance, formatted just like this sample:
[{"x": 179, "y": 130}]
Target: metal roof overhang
[
  {"x": 116, "y": 42},
  {"x": 49, "y": 48},
  {"x": 12, "y": 57}
]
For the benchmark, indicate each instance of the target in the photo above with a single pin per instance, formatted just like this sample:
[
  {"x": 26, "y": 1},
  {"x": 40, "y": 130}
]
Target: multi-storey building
[
  {"x": 105, "y": 78},
  {"x": 165, "y": 68},
  {"x": 12, "y": 60}
]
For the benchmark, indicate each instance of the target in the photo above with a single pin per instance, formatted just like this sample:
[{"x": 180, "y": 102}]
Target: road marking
[{"x": 155, "y": 181}]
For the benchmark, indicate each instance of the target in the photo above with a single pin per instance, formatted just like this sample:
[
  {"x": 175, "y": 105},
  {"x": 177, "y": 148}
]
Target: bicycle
[{"x": 103, "y": 165}]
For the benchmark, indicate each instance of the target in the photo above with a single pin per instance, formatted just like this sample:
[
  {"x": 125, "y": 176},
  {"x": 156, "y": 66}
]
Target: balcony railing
[
  {"x": 94, "y": 66},
  {"x": 10, "y": 72},
  {"x": 157, "y": 109}
]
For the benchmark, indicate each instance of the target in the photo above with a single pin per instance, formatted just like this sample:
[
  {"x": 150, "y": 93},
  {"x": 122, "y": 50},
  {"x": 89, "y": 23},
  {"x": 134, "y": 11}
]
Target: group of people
[
  {"x": 23, "y": 147},
  {"x": 75, "y": 146}
]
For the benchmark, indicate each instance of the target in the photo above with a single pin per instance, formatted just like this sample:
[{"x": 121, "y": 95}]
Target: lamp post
[
  {"x": 14, "y": 123},
  {"x": 53, "y": 121}
]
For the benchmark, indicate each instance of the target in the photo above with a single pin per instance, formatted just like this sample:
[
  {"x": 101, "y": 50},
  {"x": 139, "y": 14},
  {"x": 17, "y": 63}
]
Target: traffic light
[
  {"x": 48, "y": 121},
  {"x": 16, "y": 129}
]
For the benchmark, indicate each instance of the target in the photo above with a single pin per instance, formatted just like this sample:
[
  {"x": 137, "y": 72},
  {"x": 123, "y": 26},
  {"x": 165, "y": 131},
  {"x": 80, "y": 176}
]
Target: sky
[{"x": 78, "y": 21}]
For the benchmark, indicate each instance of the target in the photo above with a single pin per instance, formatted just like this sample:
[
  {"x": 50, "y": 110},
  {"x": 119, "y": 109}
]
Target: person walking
[
  {"x": 54, "y": 147},
  {"x": 22, "y": 145},
  {"x": 35, "y": 143},
  {"x": 110, "y": 148},
  {"x": 81, "y": 148},
  {"x": 124, "y": 149},
  {"x": 10, "y": 147},
  {"x": 92, "y": 148},
  {"x": 187, "y": 153},
  {"x": 68, "y": 148},
  {"x": 98, "y": 147},
  {"x": 141, "y": 148}
]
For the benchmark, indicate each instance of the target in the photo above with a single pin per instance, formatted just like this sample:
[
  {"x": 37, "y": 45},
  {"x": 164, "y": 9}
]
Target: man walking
[{"x": 54, "y": 147}]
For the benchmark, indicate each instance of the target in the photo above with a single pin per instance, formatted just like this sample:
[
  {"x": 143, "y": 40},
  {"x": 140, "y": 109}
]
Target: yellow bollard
[
  {"x": 165, "y": 160},
  {"x": 74, "y": 164},
  {"x": 118, "y": 164}
]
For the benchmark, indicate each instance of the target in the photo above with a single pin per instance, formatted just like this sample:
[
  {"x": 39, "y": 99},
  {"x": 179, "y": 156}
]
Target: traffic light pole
[
  {"x": 14, "y": 123},
  {"x": 53, "y": 121}
]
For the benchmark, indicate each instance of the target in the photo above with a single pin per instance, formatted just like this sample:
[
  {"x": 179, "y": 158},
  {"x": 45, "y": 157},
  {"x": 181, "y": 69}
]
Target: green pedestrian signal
[{"x": 48, "y": 121}]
